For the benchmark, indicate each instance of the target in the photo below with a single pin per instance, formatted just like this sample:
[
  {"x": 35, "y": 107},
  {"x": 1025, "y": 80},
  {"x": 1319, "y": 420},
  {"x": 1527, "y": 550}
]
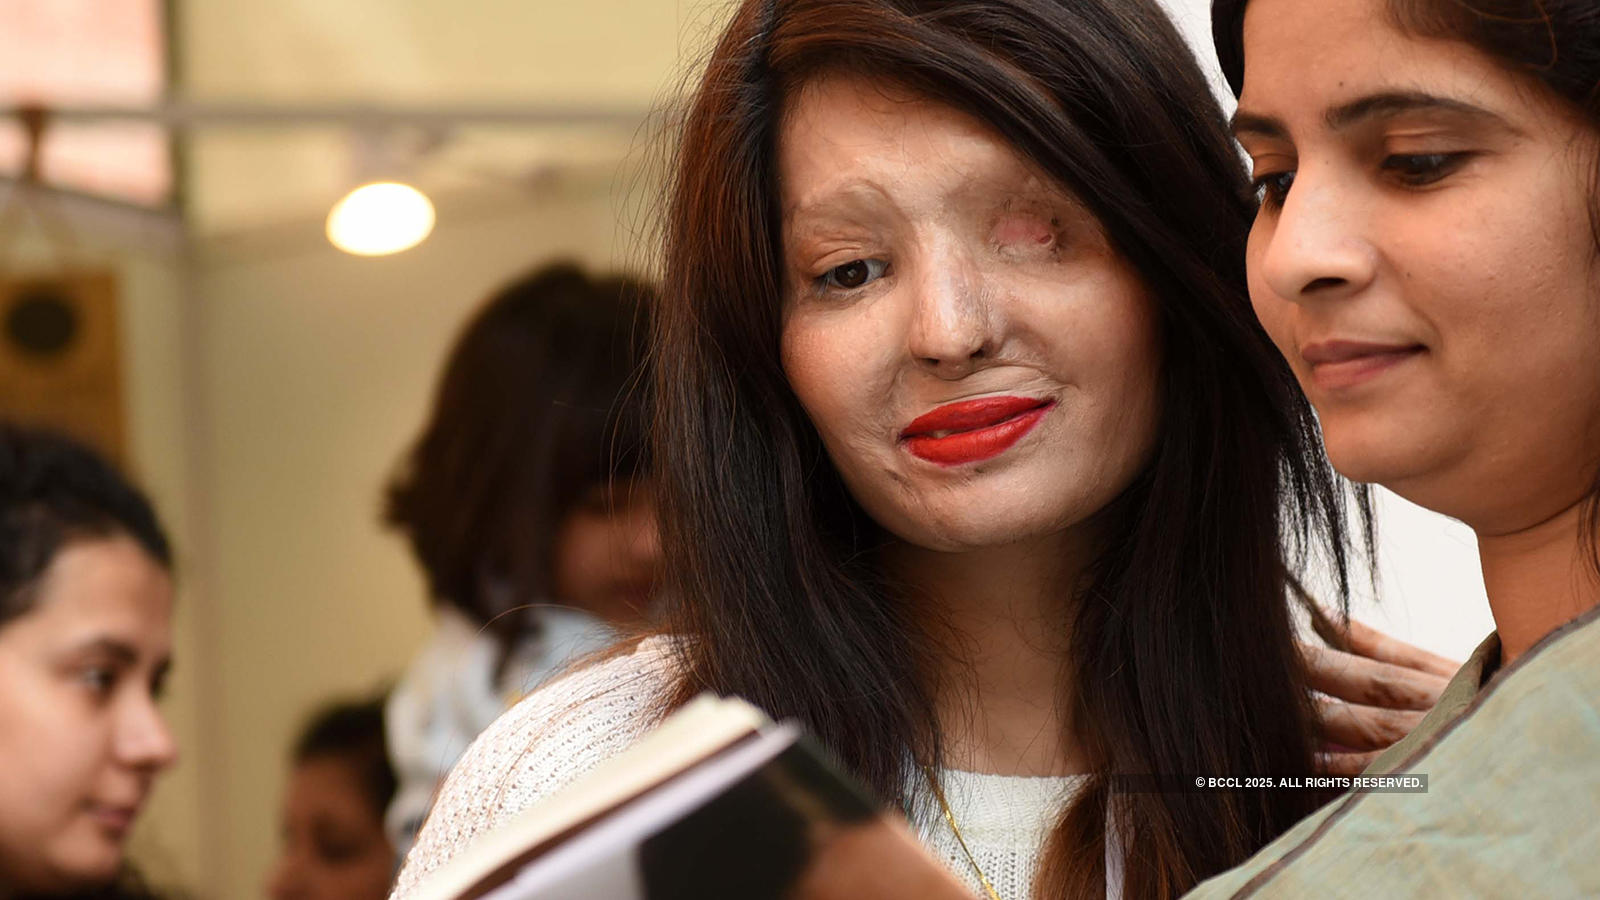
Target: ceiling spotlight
[{"x": 380, "y": 218}]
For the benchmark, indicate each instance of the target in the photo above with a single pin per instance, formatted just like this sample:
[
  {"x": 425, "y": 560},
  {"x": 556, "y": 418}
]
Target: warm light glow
[{"x": 380, "y": 218}]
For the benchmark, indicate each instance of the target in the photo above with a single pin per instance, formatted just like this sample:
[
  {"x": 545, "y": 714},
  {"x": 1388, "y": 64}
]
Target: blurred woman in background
[
  {"x": 340, "y": 785},
  {"x": 526, "y": 504},
  {"x": 85, "y": 646}
]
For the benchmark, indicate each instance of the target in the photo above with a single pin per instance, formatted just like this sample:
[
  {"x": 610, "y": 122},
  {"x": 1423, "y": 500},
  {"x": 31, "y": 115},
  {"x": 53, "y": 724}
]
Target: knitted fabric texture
[{"x": 568, "y": 727}]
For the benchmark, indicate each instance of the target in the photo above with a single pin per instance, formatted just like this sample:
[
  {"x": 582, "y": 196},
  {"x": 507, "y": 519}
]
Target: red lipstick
[{"x": 973, "y": 430}]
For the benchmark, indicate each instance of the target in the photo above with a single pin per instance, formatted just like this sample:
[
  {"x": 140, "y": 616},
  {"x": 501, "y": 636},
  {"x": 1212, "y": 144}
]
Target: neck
[
  {"x": 1001, "y": 615},
  {"x": 1538, "y": 579}
]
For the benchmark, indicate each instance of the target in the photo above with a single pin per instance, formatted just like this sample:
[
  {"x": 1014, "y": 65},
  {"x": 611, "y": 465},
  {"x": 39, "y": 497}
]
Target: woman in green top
[{"x": 1427, "y": 257}]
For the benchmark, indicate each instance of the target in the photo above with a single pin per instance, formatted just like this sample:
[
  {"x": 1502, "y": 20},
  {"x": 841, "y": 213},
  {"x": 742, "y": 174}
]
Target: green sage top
[
  {"x": 1458, "y": 695},
  {"x": 1513, "y": 801}
]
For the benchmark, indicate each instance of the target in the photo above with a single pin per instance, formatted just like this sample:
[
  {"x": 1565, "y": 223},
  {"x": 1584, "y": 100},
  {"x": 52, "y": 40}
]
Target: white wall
[
  {"x": 153, "y": 317},
  {"x": 1430, "y": 587}
]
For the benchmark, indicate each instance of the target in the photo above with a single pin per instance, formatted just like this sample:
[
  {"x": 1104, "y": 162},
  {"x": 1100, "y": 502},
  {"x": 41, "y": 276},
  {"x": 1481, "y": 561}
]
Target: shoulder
[
  {"x": 1480, "y": 818},
  {"x": 551, "y": 737},
  {"x": 1457, "y": 697}
]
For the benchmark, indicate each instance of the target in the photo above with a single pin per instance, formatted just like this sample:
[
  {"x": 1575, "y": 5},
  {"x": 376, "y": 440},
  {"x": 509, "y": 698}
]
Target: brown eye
[
  {"x": 1421, "y": 169},
  {"x": 851, "y": 274},
  {"x": 1273, "y": 189},
  {"x": 99, "y": 680},
  {"x": 854, "y": 274}
]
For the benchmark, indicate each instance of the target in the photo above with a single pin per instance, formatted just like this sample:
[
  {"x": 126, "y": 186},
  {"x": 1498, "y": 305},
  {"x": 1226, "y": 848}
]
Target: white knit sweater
[{"x": 564, "y": 729}]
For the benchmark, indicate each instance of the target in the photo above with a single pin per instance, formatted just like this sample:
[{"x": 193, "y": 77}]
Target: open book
[{"x": 717, "y": 802}]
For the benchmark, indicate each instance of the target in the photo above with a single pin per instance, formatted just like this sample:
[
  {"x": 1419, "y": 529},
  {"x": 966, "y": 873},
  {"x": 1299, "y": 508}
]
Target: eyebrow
[
  {"x": 122, "y": 653},
  {"x": 1377, "y": 106},
  {"x": 1373, "y": 106},
  {"x": 841, "y": 199},
  {"x": 857, "y": 199},
  {"x": 1262, "y": 126}
]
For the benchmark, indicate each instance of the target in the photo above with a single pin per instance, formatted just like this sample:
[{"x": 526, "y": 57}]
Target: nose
[
  {"x": 952, "y": 328},
  {"x": 1316, "y": 247},
  {"x": 143, "y": 739}
]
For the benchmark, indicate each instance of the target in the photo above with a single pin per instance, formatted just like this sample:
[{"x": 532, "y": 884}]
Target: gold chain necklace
[{"x": 950, "y": 817}]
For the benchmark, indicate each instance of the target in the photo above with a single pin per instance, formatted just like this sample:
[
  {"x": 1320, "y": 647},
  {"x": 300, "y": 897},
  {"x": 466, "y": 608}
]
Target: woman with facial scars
[{"x": 972, "y": 457}]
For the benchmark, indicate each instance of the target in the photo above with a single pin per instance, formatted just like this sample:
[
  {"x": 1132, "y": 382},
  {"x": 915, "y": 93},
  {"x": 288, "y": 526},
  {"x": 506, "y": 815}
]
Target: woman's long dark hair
[
  {"x": 1182, "y": 650},
  {"x": 1556, "y": 42}
]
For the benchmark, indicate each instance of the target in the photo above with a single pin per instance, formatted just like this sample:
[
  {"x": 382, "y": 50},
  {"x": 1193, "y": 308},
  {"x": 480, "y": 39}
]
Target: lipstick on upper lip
[
  {"x": 1341, "y": 364},
  {"x": 973, "y": 430}
]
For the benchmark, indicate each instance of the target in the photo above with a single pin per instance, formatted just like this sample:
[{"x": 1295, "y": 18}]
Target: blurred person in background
[
  {"x": 526, "y": 504},
  {"x": 85, "y": 646},
  {"x": 340, "y": 785}
]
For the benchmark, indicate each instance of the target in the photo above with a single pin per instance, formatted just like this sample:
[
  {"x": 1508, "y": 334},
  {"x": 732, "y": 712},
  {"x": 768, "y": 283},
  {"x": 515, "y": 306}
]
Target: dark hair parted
[
  {"x": 1554, "y": 42},
  {"x": 1182, "y": 644},
  {"x": 352, "y": 732},
  {"x": 535, "y": 408},
  {"x": 54, "y": 490}
]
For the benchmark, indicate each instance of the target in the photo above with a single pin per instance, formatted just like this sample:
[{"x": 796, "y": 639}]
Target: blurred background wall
[{"x": 271, "y": 382}]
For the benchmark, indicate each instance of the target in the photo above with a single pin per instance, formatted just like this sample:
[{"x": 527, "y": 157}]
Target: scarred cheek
[{"x": 822, "y": 387}]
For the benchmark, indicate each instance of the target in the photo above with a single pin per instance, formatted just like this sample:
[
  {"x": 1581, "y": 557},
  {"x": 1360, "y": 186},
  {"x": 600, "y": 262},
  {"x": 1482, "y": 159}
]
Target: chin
[
  {"x": 997, "y": 519},
  {"x": 92, "y": 861},
  {"x": 1392, "y": 457},
  {"x": 951, "y": 538}
]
